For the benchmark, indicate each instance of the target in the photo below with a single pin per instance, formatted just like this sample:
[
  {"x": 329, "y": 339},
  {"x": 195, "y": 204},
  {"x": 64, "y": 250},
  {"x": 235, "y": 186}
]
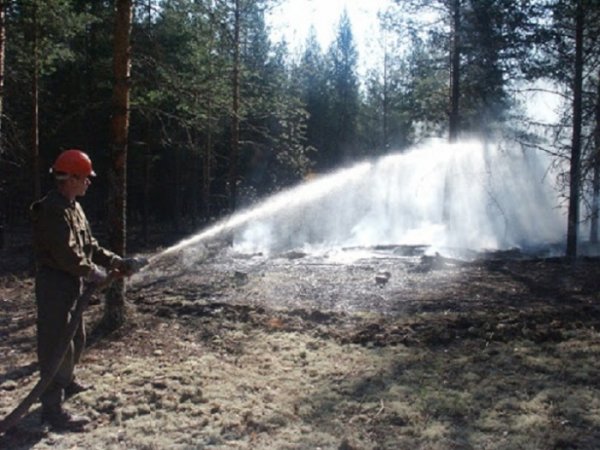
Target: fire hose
[{"x": 82, "y": 303}]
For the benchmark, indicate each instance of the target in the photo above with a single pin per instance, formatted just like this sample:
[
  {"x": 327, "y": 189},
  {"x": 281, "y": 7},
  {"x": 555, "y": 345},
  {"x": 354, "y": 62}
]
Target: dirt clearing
[{"x": 389, "y": 351}]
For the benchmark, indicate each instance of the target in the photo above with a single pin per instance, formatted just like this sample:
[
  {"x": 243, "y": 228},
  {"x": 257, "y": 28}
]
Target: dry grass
[{"x": 199, "y": 371}]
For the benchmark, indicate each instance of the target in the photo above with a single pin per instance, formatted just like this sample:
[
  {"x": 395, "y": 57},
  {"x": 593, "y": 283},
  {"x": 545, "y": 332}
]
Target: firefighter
[{"x": 66, "y": 256}]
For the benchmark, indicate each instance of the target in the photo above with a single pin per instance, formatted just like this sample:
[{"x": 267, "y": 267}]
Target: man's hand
[{"x": 96, "y": 276}]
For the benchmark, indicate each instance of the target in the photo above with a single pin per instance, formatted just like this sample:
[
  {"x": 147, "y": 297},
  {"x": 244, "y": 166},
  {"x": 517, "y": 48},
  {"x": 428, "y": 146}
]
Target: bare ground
[{"x": 390, "y": 351}]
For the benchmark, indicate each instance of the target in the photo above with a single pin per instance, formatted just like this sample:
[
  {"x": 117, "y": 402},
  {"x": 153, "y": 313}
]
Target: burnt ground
[{"x": 378, "y": 349}]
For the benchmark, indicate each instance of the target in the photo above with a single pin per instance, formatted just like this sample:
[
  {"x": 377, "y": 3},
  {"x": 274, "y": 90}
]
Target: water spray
[{"x": 467, "y": 195}]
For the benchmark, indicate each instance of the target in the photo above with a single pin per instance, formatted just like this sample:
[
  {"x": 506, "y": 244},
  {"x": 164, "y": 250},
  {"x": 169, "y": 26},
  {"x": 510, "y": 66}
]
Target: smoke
[{"x": 468, "y": 195}]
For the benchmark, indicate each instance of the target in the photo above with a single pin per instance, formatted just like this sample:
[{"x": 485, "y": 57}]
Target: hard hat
[{"x": 73, "y": 162}]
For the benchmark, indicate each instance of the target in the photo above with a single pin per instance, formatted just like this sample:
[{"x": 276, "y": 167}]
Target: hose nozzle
[{"x": 138, "y": 264}]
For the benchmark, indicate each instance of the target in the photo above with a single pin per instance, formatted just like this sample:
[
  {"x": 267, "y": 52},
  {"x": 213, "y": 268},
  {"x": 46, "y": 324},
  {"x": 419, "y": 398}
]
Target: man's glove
[
  {"x": 96, "y": 276},
  {"x": 129, "y": 266}
]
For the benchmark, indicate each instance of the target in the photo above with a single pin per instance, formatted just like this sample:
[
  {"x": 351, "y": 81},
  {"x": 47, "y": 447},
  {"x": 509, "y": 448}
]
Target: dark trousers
[{"x": 56, "y": 292}]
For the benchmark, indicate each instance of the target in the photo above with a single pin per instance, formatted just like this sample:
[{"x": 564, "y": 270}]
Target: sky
[{"x": 293, "y": 18}]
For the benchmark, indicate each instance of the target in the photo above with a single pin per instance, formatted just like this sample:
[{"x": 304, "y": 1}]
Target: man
[{"x": 66, "y": 255}]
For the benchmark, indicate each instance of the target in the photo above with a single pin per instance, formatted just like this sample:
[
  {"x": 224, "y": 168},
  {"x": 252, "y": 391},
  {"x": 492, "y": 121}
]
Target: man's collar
[{"x": 61, "y": 199}]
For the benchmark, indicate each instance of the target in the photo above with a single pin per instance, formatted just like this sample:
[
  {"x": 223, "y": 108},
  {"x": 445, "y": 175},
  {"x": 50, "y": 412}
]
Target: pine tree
[
  {"x": 341, "y": 142},
  {"x": 312, "y": 77}
]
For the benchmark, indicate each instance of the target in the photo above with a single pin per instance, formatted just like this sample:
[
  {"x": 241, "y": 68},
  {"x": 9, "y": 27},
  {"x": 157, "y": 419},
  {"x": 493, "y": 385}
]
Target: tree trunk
[
  {"x": 147, "y": 183},
  {"x": 177, "y": 191},
  {"x": 235, "y": 110},
  {"x": 2, "y": 53},
  {"x": 196, "y": 168},
  {"x": 35, "y": 76},
  {"x": 454, "y": 119},
  {"x": 115, "y": 298},
  {"x": 574, "y": 182},
  {"x": 596, "y": 171},
  {"x": 575, "y": 170},
  {"x": 595, "y": 198},
  {"x": 207, "y": 164},
  {"x": 208, "y": 154},
  {"x": 386, "y": 100}
]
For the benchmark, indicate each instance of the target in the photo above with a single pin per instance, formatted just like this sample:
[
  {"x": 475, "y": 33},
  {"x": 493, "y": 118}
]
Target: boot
[
  {"x": 61, "y": 420},
  {"x": 75, "y": 388}
]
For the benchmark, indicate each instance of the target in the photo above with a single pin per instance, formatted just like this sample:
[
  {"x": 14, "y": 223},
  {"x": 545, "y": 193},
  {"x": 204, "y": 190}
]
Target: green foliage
[
  {"x": 50, "y": 26},
  {"x": 313, "y": 113},
  {"x": 42, "y": 44}
]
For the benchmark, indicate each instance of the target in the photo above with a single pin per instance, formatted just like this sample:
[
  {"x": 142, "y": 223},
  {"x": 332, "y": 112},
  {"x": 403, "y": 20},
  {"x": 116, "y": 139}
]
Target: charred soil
[{"x": 388, "y": 351}]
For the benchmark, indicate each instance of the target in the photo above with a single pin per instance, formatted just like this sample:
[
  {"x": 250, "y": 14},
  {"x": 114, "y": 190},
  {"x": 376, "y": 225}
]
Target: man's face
[{"x": 78, "y": 185}]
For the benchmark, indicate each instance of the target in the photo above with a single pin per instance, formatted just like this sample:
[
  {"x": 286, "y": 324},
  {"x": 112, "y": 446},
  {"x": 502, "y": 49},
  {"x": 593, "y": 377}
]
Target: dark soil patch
[{"x": 412, "y": 352}]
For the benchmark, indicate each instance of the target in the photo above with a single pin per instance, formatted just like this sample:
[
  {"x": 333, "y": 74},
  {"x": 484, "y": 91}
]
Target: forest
[
  {"x": 194, "y": 114},
  {"x": 190, "y": 110}
]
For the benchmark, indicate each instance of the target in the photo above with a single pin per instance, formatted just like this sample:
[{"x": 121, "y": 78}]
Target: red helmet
[{"x": 74, "y": 162}]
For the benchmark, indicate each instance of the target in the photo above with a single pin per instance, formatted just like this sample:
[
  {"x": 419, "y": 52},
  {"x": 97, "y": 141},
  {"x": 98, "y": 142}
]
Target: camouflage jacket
[{"x": 62, "y": 238}]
